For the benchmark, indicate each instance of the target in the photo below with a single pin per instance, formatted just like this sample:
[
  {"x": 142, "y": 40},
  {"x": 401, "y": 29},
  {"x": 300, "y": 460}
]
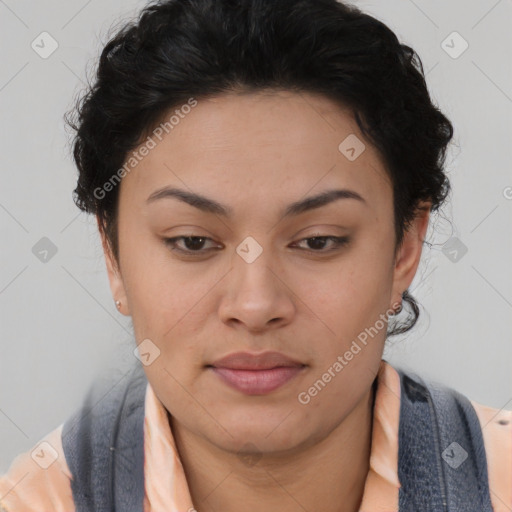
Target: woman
[{"x": 262, "y": 173}]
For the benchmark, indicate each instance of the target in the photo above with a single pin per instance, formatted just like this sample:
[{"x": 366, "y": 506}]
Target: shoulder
[
  {"x": 38, "y": 479},
  {"x": 483, "y": 430},
  {"x": 41, "y": 478},
  {"x": 496, "y": 425}
]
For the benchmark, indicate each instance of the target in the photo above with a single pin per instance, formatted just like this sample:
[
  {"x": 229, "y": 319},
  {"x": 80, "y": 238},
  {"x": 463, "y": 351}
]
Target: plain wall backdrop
[{"x": 59, "y": 325}]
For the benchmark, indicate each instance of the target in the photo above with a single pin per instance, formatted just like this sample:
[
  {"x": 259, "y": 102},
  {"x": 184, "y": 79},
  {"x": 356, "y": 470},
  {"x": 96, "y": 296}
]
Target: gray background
[{"x": 59, "y": 326}]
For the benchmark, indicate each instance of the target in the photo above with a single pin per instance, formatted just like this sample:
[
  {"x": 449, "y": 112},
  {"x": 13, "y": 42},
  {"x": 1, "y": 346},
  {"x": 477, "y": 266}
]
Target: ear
[
  {"x": 408, "y": 255},
  {"x": 114, "y": 274}
]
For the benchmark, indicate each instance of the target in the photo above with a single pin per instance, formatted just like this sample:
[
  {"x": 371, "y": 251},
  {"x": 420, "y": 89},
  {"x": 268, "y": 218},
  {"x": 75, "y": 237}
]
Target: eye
[
  {"x": 193, "y": 244},
  {"x": 317, "y": 243}
]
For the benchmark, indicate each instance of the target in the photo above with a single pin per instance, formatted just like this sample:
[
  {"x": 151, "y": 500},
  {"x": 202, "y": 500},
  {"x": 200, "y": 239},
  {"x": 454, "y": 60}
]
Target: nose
[{"x": 256, "y": 295}]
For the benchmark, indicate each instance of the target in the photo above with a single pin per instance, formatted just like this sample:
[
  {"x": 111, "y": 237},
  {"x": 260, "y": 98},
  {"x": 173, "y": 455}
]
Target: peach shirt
[{"x": 27, "y": 487}]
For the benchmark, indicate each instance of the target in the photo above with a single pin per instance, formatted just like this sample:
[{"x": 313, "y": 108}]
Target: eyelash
[{"x": 338, "y": 241}]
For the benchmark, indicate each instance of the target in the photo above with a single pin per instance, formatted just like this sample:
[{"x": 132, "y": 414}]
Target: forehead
[{"x": 261, "y": 145}]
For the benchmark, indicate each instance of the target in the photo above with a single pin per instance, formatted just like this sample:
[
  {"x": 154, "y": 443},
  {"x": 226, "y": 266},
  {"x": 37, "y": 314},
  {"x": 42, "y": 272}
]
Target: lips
[
  {"x": 256, "y": 374},
  {"x": 248, "y": 361}
]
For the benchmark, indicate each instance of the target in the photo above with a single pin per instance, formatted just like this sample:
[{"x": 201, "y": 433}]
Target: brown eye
[
  {"x": 195, "y": 245},
  {"x": 318, "y": 243},
  {"x": 191, "y": 244}
]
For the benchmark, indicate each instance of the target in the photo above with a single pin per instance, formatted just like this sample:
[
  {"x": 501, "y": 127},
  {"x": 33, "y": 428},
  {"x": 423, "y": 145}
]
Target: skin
[{"x": 257, "y": 153}]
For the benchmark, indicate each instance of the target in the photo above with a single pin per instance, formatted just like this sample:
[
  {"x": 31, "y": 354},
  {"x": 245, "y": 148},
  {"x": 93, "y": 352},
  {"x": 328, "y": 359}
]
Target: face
[{"x": 255, "y": 267}]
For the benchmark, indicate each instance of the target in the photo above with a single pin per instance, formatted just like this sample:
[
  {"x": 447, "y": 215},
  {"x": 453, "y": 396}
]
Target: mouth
[{"x": 256, "y": 374}]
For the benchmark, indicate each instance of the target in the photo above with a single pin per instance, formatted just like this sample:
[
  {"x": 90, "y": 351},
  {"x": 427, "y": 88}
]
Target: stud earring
[{"x": 118, "y": 304}]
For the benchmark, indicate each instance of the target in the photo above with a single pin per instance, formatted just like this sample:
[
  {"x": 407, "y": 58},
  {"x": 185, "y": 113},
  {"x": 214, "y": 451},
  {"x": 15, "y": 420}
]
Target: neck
[{"x": 329, "y": 474}]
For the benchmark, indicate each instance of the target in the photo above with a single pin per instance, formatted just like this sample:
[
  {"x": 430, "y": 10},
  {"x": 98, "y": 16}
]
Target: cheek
[
  {"x": 349, "y": 295},
  {"x": 347, "y": 315},
  {"x": 160, "y": 291}
]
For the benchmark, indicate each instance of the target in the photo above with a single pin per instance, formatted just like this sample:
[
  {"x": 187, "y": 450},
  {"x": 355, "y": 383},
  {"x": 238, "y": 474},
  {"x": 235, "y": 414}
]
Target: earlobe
[
  {"x": 408, "y": 255},
  {"x": 114, "y": 275}
]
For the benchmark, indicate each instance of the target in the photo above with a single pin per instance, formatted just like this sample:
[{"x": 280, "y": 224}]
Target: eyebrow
[{"x": 211, "y": 206}]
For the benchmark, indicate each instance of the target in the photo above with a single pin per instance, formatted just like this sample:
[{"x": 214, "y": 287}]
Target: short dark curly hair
[{"x": 178, "y": 49}]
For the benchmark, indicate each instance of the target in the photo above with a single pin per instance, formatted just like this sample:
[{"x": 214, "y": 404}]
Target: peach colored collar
[{"x": 166, "y": 485}]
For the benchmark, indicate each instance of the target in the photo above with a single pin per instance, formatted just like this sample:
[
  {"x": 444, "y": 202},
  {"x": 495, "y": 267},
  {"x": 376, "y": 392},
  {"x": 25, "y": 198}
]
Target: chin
[
  {"x": 254, "y": 443},
  {"x": 271, "y": 433}
]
